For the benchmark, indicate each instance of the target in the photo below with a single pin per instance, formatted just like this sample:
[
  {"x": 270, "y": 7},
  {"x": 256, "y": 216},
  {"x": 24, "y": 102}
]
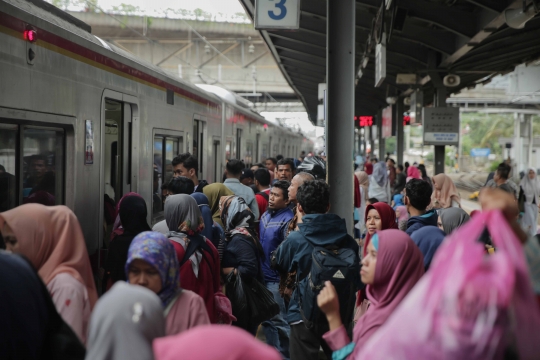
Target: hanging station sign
[
  {"x": 441, "y": 126},
  {"x": 277, "y": 14}
]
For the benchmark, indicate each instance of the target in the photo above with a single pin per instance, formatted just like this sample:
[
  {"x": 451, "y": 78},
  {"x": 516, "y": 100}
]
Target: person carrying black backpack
[{"x": 320, "y": 250}]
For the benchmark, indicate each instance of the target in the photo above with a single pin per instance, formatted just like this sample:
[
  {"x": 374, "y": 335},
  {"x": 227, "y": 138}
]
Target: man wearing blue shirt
[{"x": 272, "y": 233}]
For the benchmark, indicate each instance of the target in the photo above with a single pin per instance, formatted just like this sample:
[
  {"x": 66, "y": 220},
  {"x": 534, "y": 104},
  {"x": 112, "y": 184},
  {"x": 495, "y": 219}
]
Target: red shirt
[
  {"x": 262, "y": 202},
  {"x": 208, "y": 281}
]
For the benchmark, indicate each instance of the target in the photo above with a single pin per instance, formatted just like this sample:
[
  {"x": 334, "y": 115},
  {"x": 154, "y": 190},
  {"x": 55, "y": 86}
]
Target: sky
[{"x": 225, "y": 7}]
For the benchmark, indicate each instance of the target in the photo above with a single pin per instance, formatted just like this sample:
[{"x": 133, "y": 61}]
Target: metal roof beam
[
  {"x": 305, "y": 49},
  {"x": 285, "y": 54},
  {"x": 445, "y": 17},
  {"x": 297, "y": 39},
  {"x": 302, "y": 63},
  {"x": 495, "y": 7},
  {"x": 482, "y": 35},
  {"x": 294, "y": 51}
]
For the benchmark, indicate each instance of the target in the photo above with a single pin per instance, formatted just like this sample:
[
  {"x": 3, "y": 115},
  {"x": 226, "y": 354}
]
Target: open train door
[{"x": 119, "y": 165}]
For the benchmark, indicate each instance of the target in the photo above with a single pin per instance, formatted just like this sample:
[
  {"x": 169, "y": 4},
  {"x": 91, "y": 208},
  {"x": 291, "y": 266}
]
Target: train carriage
[{"x": 82, "y": 120}]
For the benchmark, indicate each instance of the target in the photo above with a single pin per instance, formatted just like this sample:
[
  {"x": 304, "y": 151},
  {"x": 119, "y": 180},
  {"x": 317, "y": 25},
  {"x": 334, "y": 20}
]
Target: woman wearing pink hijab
[
  {"x": 390, "y": 270},
  {"x": 209, "y": 342},
  {"x": 445, "y": 194},
  {"x": 52, "y": 240},
  {"x": 413, "y": 173}
]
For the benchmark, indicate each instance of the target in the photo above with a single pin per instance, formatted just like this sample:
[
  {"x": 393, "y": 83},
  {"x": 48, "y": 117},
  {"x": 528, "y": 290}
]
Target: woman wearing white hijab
[
  {"x": 379, "y": 185},
  {"x": 531, "y": 188},
  {"x": 124, "y": 323}
]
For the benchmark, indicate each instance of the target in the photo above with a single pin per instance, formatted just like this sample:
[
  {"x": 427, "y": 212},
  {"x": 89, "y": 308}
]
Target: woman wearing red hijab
[
  {"x": 368, "y": 168},
  {"x": 379, "y": 216}
]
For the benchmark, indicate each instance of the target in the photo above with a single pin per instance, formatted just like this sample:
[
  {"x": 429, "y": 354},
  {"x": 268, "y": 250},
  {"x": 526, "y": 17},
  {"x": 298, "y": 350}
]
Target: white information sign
[
  {"x": 441, "y": 126},
  {"x": 277, "y": 14},
  {"x": 380, "y": 62}
]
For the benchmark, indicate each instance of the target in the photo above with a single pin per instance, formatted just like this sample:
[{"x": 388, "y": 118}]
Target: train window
[
  {"x": 257, "y": 145},
  {"x": 165, "y": 149},
  {"x": 217, "y": 160},
  {"x": 198, "y": 144},
  {"x": 238, "y": 154},
  {"x": 228, "y": 148},
  {"x": 248, "y": 159},
  {"x": 43, "y": 165},
  {"x": 264, "y": 153},
  {"x": 8, "y": 166},
  {"x": 41, "y": 150}
]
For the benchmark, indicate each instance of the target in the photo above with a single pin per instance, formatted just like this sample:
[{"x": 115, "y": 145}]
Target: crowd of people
[{"x": 257, "y": 256}]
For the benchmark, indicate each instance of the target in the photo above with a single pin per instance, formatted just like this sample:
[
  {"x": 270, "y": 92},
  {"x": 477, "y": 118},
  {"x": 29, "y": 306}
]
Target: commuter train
[{"x": 82, "y": 121}]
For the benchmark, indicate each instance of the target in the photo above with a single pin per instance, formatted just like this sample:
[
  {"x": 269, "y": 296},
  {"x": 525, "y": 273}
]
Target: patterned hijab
[
  {"x": 157, "y": 251},
  {"x": 183, "y": 216},
  {"x": 236, "y": 216}
]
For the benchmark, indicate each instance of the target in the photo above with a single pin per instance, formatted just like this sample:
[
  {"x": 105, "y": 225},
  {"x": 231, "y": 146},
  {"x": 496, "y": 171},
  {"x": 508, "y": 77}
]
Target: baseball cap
[{"x": 247, "y": 173}]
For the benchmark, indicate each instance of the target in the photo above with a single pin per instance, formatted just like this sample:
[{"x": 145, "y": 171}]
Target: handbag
[{"x": 468, "y": 305}]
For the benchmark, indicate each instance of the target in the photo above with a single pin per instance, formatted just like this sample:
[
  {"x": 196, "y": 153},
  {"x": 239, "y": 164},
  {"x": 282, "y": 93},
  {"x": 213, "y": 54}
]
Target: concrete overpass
[{"x": 230, "y": 55}]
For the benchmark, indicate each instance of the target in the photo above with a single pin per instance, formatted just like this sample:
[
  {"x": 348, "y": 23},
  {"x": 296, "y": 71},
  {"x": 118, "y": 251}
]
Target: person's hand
[
  {"x": 497, "y": 199},
  {"x": 328, "y": 302},
  {"x": 287, "y": 293}
]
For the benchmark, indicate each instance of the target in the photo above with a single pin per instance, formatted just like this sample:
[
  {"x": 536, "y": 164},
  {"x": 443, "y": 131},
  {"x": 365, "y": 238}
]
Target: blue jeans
[{"x": 277, "y": 330}]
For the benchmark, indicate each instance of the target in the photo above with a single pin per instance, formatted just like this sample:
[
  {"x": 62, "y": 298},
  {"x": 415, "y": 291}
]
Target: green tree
[
  {"x": 390, "y": 144},
  {"x": 126, "y": 9}
]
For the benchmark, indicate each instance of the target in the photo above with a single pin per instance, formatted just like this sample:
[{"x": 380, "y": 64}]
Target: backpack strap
[{"x": 308, "y": 324}]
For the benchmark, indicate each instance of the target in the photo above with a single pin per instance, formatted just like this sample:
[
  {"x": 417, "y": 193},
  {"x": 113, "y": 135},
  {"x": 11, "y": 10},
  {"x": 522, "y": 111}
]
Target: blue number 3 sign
[{"x": 282, "y": 11}]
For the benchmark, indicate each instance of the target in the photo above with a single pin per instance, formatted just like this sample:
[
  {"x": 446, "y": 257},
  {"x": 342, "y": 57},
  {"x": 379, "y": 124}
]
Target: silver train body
[{"x": 89, "y": 120}]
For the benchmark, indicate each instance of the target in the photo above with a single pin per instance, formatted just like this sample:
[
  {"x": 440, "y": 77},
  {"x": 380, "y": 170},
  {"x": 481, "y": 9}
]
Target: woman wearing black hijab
[
  {"x": 31, "y": 326},
  {"x": 133, "y": 214}
]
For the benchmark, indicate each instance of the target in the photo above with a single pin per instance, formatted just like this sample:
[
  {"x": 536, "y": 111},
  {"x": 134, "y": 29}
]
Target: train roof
[{"x": 59, "y": 18}]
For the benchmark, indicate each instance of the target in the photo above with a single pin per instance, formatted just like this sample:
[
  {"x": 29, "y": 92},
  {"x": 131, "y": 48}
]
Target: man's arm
[{"x": 283, "y": 257}]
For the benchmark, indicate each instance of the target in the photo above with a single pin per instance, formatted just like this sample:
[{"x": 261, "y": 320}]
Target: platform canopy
[{"x": 469, "y": 38}]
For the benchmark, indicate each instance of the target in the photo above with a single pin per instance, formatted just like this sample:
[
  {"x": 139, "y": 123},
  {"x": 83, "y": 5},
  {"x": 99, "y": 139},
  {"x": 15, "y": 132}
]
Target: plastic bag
[
  {"x": 252, "y": 303},
  {"x": 468, "y": 305},
  {"x": 234, "y": 290}
]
